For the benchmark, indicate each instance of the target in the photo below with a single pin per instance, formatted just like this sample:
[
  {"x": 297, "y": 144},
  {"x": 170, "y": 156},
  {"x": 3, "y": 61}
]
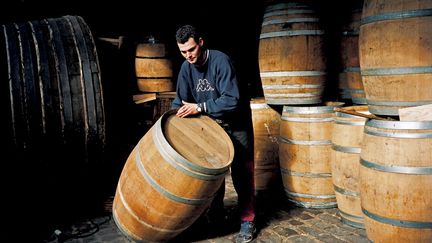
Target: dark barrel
[{"x": 53, "y": 114}]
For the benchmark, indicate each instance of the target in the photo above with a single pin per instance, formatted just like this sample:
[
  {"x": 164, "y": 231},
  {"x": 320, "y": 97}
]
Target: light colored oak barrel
[
  {"x": 171, "y": 176},
  {"x": 395, "y": 45},
  {"x": 347, "y": 140},
  {"x": 396, "y": 181},
  {"x": 153, "y": 68},
  {"x": 350, "y": 82},
  {"x": 305, "y": 155},
  {"x": 266, "y": 147},
  {"x": 291, "y": 54}
]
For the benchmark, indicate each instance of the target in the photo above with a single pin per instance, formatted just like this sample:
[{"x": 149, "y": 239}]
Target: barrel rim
[
  {"x": 406, "y": 125},
  {"x": 329, "y": 107},
  {"x": 187, "y": 163}
]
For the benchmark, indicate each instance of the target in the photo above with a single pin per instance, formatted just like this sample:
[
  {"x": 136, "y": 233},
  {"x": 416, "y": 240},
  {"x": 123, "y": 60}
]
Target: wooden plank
[
  {"x": 416, "y": 113},
  {"x": 355, "y": 113},
  {"x": 113, "y": 41},
  {"x": 142, "y": 98},
  {"x": 169, "y": 94}
]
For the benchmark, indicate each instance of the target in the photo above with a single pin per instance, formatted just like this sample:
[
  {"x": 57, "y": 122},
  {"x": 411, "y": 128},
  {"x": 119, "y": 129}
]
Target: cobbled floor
[{"x": 277, "y": 220}]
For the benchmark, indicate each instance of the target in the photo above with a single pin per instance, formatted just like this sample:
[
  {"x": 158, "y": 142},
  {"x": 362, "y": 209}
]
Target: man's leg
[
  {"x": 243, "y": 180},
  {"x": 242, "y": 174}
]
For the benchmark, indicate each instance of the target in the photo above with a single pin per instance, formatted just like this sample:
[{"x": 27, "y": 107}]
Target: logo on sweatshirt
[{"x": 204, "y": 85}]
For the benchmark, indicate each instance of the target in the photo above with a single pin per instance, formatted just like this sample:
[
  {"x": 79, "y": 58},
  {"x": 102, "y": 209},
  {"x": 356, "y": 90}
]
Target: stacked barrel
[
  {"x": 293, "y": 73},
  {"x": 378, "y": 166},
  {"x": 153, "y": 67},
  {"x": 395, "y": 54},
  {"x": 291, "y": 54},
  {"x": 395, "y": 162},
  {"x": 154, "y": 76},
  {"x": 350, "y": 82}
]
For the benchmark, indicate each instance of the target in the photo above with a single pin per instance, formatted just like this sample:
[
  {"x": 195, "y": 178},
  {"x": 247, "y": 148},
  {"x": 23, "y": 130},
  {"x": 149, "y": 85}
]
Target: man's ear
[{"x": 201, "y": 41}]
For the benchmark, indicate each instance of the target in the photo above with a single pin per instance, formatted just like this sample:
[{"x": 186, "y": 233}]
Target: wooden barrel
[
  {"x": 350, "y": 82},
  {"x": 54, "y": 87},
  {"x": 171, "y": 176},
  {"x": 54, "y": 119},
  {"x": 347, "y": 140},
  {"x": 153, "y": 68},
  {"x": 266, "y": 147},
  {"x": 395, "y": 58},
  {"x": 291, "y": 54},
  {"x": 305, "y": 155},
  {"x": 395, "y": 181}
]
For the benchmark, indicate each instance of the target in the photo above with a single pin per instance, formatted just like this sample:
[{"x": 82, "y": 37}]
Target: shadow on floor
[{"x": 269, "y": 204}]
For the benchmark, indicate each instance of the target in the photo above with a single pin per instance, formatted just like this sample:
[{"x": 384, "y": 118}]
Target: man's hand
[{"x": 187, "y": 109}]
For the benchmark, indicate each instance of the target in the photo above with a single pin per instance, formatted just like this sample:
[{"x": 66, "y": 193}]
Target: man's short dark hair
[{"x": 185, "y": 32}]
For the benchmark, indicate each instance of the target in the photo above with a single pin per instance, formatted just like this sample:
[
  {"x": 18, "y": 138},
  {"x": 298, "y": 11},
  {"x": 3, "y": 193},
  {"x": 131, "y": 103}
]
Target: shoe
[{"x": 247, "y": 232}]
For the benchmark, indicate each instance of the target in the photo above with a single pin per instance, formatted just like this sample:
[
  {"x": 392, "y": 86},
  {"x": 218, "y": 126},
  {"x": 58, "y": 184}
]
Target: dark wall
[{"x": 233, "y": 27}]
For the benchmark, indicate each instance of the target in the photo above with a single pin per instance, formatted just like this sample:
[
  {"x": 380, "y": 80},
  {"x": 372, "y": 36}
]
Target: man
[{"x": 207, "y": 84}]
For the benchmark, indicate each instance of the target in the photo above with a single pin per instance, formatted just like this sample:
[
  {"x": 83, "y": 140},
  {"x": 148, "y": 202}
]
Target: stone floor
[{"x": 278, "y": 220}]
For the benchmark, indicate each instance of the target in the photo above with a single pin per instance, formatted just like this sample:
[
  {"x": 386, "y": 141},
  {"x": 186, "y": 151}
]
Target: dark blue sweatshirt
[{"x": 214, "y": 84}]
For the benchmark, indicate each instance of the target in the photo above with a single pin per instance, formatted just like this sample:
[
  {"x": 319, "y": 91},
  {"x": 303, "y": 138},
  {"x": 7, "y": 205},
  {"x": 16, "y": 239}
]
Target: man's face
[{"x": 191, "y": 50}]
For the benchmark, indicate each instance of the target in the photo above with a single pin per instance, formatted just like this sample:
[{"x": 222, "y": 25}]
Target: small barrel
[
  {"x": 395, "y": 181},
  {"x": 347, "y": 140},
  {"x": 305, "y": 155},
  {"x": 171, "y": 176},
  {"x": 153, "y": 67}
]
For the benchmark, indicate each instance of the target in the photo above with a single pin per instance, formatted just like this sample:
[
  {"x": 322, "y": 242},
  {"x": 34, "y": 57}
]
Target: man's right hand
[{"x": 187, "y": 109}]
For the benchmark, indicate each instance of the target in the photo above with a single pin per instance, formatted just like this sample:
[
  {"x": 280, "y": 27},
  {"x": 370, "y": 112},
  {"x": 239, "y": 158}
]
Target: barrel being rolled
[
  {"x": 395, "y": 46},
  {"x": 291, "y": 54},
  {"x": 171, "y": 176},
  {"x": 395, "y": 181}
]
